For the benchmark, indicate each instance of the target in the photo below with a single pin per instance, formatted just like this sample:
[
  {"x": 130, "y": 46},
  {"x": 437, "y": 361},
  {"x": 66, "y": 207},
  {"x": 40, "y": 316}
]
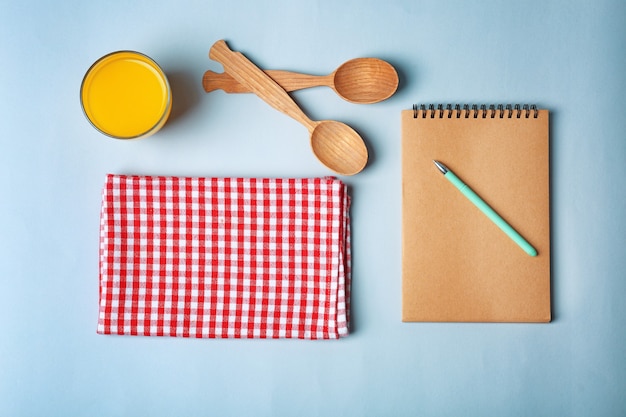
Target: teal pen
[{"x": 488, "y": 211}]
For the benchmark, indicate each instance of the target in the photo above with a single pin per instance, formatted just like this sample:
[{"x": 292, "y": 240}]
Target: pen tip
[{"x": 441, "y": 167}]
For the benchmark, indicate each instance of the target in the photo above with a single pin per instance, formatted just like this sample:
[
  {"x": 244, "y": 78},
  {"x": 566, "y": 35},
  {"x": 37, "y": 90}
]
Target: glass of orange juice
[{"x": 125, "y": 95}]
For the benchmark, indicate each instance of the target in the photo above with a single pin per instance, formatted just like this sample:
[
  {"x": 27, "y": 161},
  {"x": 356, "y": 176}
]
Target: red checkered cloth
[{"x": 224, "y": 257}]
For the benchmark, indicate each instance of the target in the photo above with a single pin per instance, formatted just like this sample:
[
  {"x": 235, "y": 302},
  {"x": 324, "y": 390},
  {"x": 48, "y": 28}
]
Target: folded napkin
[{"x": 224, "y": 257}]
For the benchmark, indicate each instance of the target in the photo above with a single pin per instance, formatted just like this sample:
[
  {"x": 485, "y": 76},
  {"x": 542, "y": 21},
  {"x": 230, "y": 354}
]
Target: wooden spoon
[
  {"x": 335, "y": 144},
  {"x": 360, "y": 80}
]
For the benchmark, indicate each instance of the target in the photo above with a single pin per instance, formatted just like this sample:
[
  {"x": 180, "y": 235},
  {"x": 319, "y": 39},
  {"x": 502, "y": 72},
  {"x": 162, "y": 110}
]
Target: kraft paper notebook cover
[{"x": 458, "y": 266}]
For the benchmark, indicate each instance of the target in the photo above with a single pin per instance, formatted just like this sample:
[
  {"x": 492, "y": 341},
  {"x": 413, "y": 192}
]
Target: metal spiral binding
[{"x": 500, "y": 111}]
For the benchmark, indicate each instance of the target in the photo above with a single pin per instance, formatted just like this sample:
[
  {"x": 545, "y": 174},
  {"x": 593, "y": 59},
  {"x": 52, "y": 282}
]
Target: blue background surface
[{"x": 567, "y": 56}]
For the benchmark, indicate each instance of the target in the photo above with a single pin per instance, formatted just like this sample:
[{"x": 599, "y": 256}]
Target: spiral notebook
[{"x": 457, "y": 265}]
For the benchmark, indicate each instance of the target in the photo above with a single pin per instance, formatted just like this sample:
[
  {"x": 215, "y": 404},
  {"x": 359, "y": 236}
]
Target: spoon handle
[
  {"x": 251, "y": 76},
  {"x": 289, "y": 81}
]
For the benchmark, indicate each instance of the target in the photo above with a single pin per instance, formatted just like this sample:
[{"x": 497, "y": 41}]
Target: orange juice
[{"x": 126, "y": 95}]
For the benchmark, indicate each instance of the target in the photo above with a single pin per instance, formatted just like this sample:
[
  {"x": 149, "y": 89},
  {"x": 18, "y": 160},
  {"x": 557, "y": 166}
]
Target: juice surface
[{"x": 126, "y": 95}]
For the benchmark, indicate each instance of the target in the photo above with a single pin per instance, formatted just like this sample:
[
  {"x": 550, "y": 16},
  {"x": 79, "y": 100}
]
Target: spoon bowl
[
  {"x": 365, "y": 80},
  {"x": 337, "y": 145}
]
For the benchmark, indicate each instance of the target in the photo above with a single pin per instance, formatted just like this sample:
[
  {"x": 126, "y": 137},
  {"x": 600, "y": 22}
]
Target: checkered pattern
[{"x": 224, "y": 257}]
